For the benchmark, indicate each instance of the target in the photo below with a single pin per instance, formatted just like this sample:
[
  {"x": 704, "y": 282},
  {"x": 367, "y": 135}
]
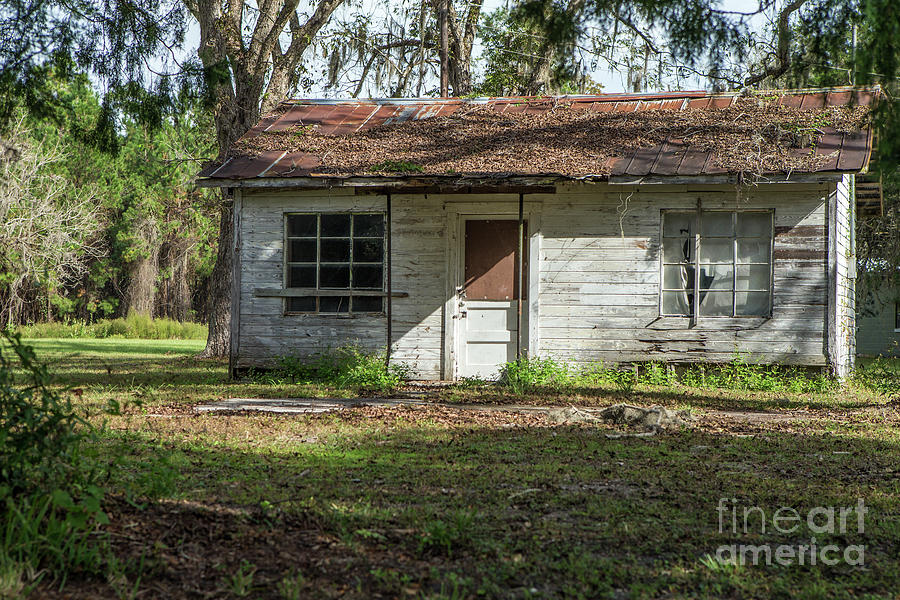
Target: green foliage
[
  {"x": 346, "y": 367},
  {"x": 50, "y": 503},
  {"x": 526, "y": 374},
  {"x": 740, "y": 375},
  {"x": 882, "y": 376},
  {"x": 448, "y": 535},
  {"x": 396, "y": 166},
  {"x": 134, "y": 326}
]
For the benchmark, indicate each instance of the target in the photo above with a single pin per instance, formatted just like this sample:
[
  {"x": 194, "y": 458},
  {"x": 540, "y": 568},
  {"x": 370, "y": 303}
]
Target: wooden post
[
  {"x": 520, "y": 270},
  {"x": 695, "y": 316},
  {"x": 389, "y": 266},
  {"x": 445, "y": 59}
]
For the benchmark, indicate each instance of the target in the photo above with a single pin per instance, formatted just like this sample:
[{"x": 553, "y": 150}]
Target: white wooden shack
[{"x": 678, "y": 227}]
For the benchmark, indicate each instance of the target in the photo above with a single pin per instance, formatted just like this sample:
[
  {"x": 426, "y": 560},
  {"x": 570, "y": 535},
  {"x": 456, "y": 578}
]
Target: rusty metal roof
[{"x": 840, "y": 151}]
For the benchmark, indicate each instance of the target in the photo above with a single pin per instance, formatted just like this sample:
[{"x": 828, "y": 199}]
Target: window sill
[{"x": 297, "y": 292}]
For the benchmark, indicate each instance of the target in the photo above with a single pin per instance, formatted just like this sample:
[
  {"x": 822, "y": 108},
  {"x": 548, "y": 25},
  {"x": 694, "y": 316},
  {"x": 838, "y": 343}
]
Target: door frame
[{"x": 501, "y": 209}]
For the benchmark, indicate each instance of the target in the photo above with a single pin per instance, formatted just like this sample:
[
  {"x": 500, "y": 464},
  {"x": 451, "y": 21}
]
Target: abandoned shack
[{"x": 461, "y": 233}]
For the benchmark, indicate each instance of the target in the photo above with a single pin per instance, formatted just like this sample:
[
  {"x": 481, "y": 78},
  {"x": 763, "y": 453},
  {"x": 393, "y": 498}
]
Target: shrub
[
  {"x": 526, "y": 374},
  {"x": 882, "y": 376},
  {"x": 134, "y": 326},
  {"x": 50, "y": 504},
  {"x": 348, "y": 367}
]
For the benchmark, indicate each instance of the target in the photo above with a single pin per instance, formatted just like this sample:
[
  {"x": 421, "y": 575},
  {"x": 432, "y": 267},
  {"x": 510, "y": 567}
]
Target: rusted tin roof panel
[{"x": 279, "y": 154}]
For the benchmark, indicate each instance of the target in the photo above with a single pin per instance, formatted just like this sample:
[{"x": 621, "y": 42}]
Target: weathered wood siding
[
  {"x": 419, "y": 248},
  {"x": 600, "y": 277},
  {"x": 598, "y": 286}
]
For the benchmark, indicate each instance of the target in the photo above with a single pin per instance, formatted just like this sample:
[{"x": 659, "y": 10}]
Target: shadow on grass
[{"x": 563, "y": 510}]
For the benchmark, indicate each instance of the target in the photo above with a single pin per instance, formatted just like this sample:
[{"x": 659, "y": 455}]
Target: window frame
[
  {"x": 696, "y": 263},
  {"x": 319, "y": 292}
]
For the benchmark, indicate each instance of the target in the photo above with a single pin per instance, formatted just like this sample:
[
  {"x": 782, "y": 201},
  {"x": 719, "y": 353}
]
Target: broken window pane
[
  {"x": 368, "y": 250},
  {"x": 754, "y": 224},
  {"x": 677, "y": 303},
  {"x": 336, "y": 225},
  {"x": 716, "y": 304},
  {"x": 302, "y": 251},
  {"x": 753, "y": 277},
  {"x": 302, "y": 225},
  {"x": 368, "y": 226},
  {"x": 716, "y": 250},
  {"x": 301, "y": 304},
  {"x": 716, "y": 224},
  {"x": 677, "y": 224},
  {"x": 752, "y": 304}
]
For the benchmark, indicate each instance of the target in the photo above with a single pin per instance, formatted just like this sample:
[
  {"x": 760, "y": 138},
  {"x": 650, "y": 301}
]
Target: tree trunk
[{"x": 218, "y": 299}]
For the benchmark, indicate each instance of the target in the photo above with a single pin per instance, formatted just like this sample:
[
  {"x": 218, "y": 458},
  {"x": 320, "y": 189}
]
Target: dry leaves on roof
[{"x": 755, "y": 134}]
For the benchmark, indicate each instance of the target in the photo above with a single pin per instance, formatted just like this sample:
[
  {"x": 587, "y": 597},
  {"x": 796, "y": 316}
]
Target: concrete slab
[{"x": 323, "y": 405}]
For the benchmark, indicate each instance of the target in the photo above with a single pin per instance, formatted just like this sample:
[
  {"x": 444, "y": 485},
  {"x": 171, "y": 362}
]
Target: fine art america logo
[{"x": 821, "y": 520}]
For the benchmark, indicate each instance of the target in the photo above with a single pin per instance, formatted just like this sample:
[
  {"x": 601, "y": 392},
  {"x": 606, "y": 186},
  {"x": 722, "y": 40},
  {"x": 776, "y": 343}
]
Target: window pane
[
  {"x": 367, "y": 277},
  {"x": 716, "y": 250},
  {"x": 752, "y": 277},
  {"x": 753, "y": 250},
  {"x": 335, "y": 225},
  {"x": 335, "y": 251},
  {"x": 301, "y": 225},
  {"x": 716, "y": 304},
  {"x": 302, "y": 250},
  {"x": 716, "y": 224},
  {"x": 716, "y": 277},
  {"x": 334, "y": 276},
  {"x": 301, "y": 304},
  {"x": 677, "y": 250},
  {"x": 678, "y": 224},
  {"x": 368, "y": 225},
  {"x": 752, "y": 304},
  {"x": 302, "y": 277},
  {"x": 754, "y": 224},
  {"x": 368, "y": 250},
  {"x": 334, "y": 304},
  {"x": 676, "y": 277},
  {"x": 677, "y": 303},
  {"x": 368, "y": 304}
]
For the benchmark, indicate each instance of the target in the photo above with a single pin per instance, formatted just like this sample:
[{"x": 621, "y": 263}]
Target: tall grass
[
  {"x": 535, "y": 374},
  {"x": 133, "y": 326}
]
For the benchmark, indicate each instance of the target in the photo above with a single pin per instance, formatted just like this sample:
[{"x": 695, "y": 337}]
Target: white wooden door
[
  {"x": 488, "y": 297},
  {"x": 489, "y": 334}
]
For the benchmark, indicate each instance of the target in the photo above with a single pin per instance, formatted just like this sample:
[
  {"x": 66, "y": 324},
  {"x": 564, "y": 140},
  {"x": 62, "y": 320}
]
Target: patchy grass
[{"x": 442, "y": 502}]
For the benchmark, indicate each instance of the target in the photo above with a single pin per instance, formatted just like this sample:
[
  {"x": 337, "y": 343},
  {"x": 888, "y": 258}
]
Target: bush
[
  {"x": 526, "y": 374},
  {"x": 881, "y": 376},
  {"x": 740, "y": 375},
  {"x": 134, "y": 326},
  {"x": 50, "y": 504},
  {"x": 347, "y": 367}
]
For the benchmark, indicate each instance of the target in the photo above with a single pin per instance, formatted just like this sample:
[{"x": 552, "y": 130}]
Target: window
[
  {"x": 734, "y": 263},
  {"x": 896, "y": 316},
  {"x": 339, "y": 258}
]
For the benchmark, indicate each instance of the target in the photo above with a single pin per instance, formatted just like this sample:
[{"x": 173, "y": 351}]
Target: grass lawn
[{"x": 441, "y": 502}]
